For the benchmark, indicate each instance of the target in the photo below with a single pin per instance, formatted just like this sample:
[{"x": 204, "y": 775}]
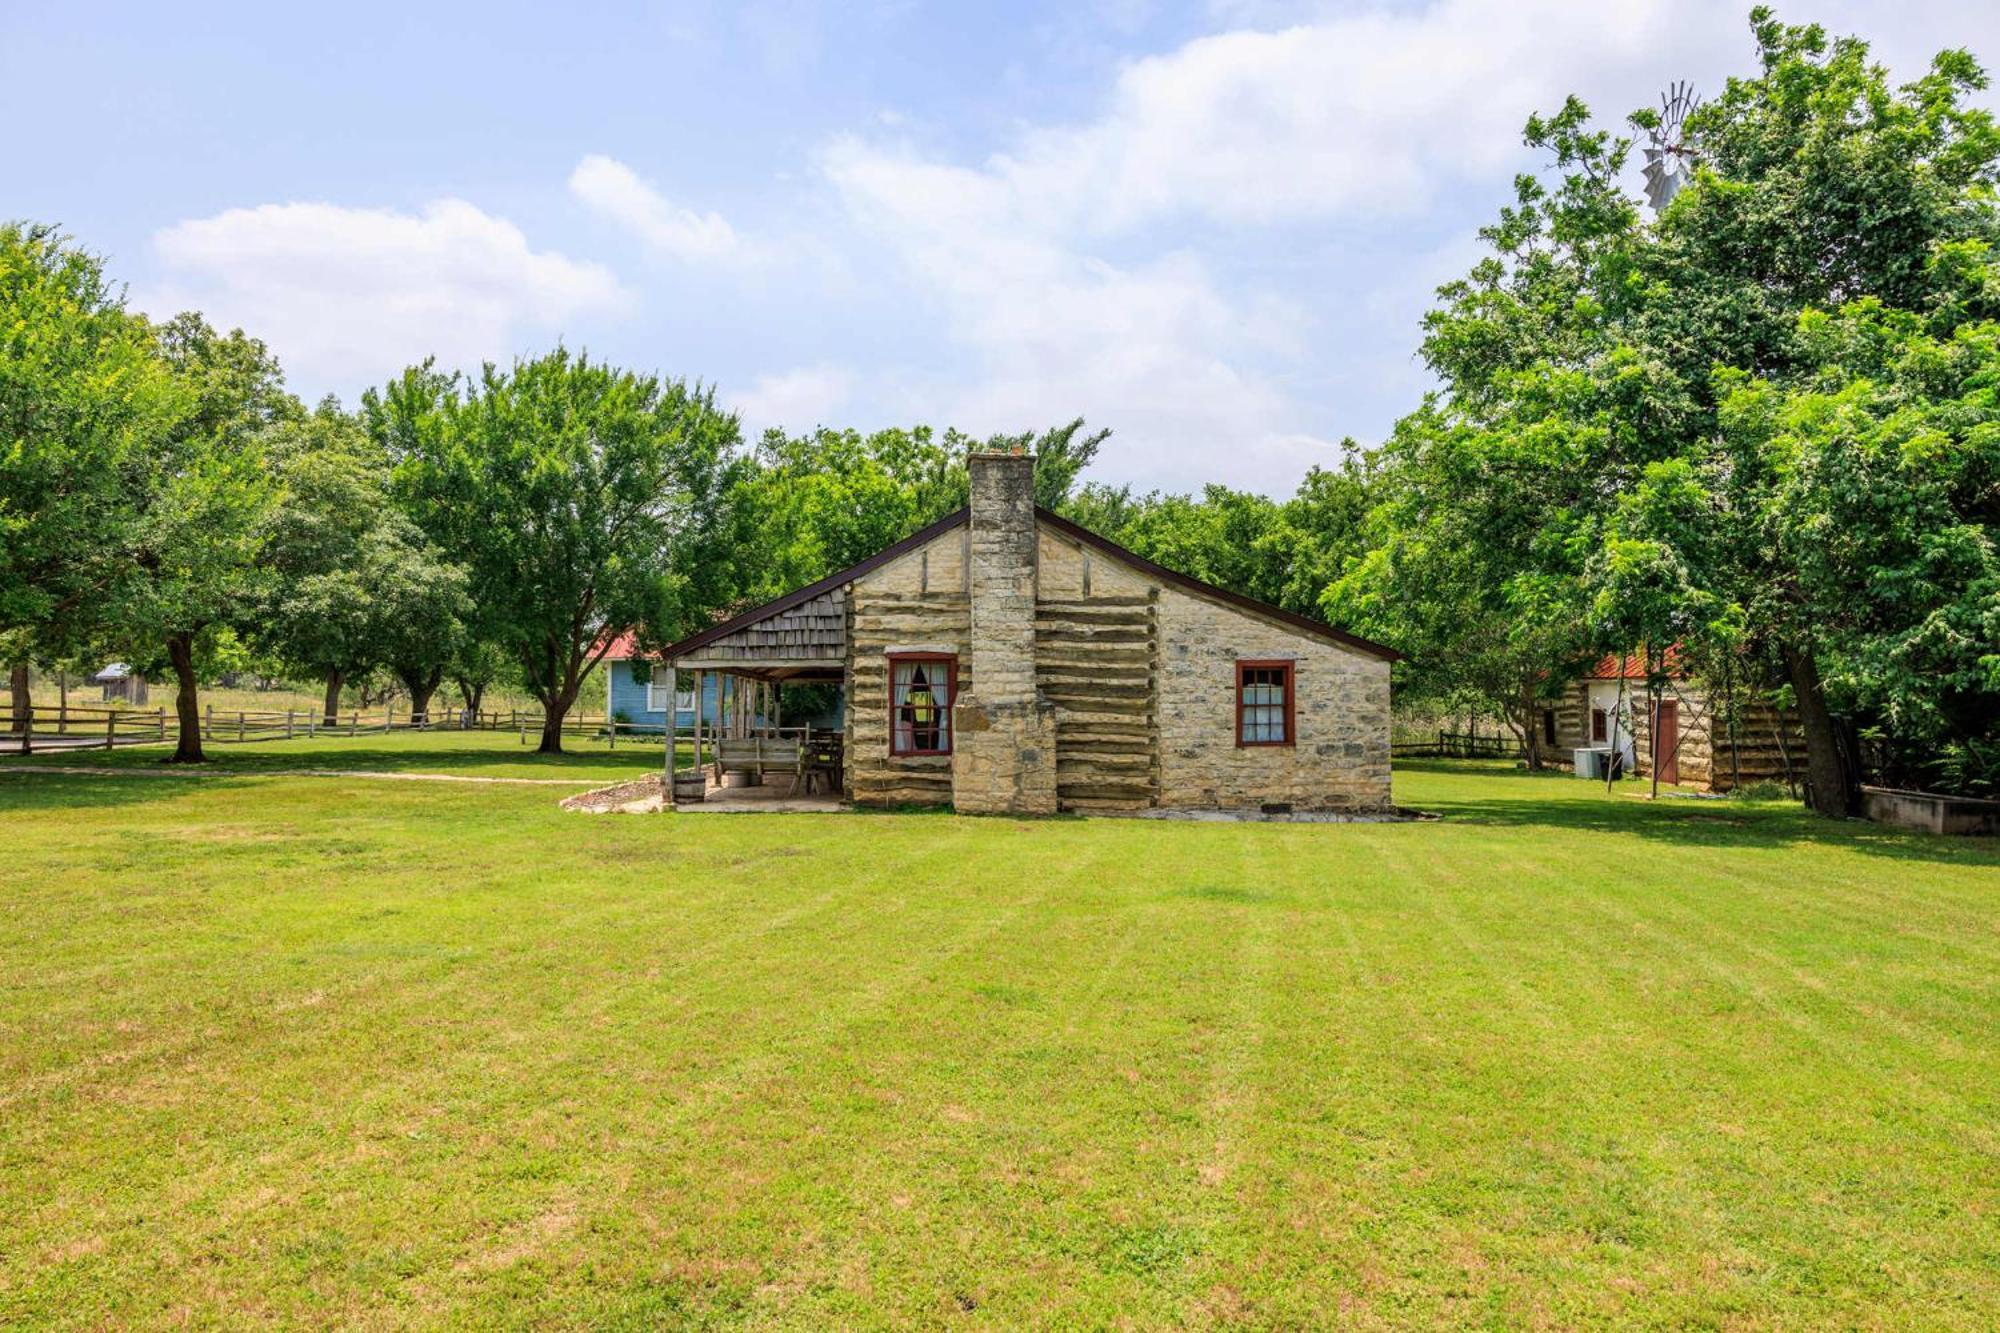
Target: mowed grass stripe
[{"x": 386, "y": 1055}]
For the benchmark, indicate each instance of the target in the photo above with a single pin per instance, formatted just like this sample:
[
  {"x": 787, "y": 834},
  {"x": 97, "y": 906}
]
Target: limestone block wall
[
  {"x": 1004, "y": 753},
  {"x": 1138, "y": 679},
  {"x": 1711, "y": 759},
  {"x": 1095, "y": 649},
  {"x": 916, "y": 604},
  {"x": 1339, "y": 759}
]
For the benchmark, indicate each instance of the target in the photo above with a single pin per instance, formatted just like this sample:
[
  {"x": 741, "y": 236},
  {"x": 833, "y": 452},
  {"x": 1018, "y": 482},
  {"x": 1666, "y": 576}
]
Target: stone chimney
[{"x": 1004, "y": 732}]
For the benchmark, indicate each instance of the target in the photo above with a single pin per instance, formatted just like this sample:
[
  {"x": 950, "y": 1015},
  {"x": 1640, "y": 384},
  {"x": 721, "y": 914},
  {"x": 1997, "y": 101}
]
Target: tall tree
[
  {"x": 1821, "y": 186},
  {"x": 585, "y": 502},
  {"x": 820, "y": 502},
  {"x": 81, "y": 394},
  {"x": 1583, "y": 364},
  {"x": 322, "y": 613},
  {"x": 200, "y": 495},
  {"x": 355, "y": 585}
]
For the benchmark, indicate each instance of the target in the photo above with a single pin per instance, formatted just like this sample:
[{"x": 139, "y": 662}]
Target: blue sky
[{"x": 1210, "y": 227}]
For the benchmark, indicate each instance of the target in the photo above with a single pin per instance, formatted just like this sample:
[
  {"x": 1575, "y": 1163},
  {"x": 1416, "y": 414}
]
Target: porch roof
[{"x": 781, "y": 656}]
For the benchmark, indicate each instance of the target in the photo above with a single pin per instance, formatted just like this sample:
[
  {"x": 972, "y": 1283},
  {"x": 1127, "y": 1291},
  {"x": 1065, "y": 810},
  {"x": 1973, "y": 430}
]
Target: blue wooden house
[{"x": 638, "y": 700}]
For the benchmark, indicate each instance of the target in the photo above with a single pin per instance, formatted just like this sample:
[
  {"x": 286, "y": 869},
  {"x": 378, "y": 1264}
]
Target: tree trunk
[
  {"x": 20, "y": 702},
  {"x": 552, "y": 721},
  {"x": 187, "y": 707},
  {"x": 421, "y": 688},
  {"x": 334, "y": 680},
  {"x": 1531, "y": 736},
  {"x": 555, "y": 707},
  {"x": 1831, "y": 788}
]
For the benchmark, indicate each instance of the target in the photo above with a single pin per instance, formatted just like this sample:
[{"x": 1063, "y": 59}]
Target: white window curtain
[{"x": 920, "y": 702}]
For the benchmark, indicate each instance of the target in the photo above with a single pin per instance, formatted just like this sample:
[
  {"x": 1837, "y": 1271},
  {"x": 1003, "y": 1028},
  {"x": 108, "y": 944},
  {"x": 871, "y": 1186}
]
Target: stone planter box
[{"x": 1930, "y": 812}]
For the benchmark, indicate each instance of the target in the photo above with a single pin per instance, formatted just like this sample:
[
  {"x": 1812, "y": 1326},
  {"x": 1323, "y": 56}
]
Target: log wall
[{"x": 1111, "y": 643}]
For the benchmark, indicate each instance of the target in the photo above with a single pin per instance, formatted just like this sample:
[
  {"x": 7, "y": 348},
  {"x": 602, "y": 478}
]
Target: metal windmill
[{"x": 1669, "y": 159}]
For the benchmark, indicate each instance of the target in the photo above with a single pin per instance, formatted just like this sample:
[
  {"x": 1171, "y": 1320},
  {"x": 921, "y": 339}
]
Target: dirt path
[{"x": 372, "y": 774}]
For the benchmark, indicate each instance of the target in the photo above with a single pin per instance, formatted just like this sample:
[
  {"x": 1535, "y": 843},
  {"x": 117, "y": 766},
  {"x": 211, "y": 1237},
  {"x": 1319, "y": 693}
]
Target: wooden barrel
[{"x": 689, "y": 787}]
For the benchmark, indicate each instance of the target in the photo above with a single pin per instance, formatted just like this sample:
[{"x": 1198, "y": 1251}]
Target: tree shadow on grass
[{"x": 1522, "y": 800}]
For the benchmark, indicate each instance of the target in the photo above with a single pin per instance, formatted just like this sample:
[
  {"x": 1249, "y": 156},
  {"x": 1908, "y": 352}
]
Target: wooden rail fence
[
  {"x": 1458, "y": 745},
  {"x": 80, "y": 727}
]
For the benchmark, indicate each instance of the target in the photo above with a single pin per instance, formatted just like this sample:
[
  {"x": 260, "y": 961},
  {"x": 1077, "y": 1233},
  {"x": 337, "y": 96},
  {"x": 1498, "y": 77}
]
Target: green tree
[
  {"x": 1880, "y": 496},
  {"x": 816, "y": 503},
  {"x": 322, "y": 609},
  {"x": 198, "y": 502},
  {"x": 584, "y": 502},
  {"x": 1821, "y": 186},
  {"x": 354, "y": 585},
  {"x": 1576, "y": 452},
  {"x": 81, "y": 394}
]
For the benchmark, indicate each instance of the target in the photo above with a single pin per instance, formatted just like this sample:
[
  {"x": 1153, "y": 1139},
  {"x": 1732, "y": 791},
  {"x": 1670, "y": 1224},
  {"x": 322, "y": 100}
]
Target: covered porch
[{"x": 751, "y": 755}]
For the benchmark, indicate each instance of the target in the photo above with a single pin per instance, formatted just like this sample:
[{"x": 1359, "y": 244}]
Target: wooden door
[{"x": 1667, "y": 738}]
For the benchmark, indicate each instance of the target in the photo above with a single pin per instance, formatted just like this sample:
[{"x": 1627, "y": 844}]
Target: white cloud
[
  {"x": 347, "y": 294},
  {"x": 796, "y": 400},
  {"x": 1365, "y": 115},
  {"x": 1154, "y": 350},
  {"x": 613, "y": 190},
  {"x": 1047, "y": 258}
]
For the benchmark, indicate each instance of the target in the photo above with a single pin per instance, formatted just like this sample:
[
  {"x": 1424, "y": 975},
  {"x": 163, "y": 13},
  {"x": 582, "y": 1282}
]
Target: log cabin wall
[
  {"x": 1096, "y": 660},
  {"x": 1112, "y": 642},
  {"x": 917, "y": 603},
  {"x": 1710, "y": 759}
]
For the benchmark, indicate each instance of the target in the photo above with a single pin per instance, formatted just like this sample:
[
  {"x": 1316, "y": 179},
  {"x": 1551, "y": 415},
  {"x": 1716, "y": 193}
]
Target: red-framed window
[
  {"x": 922, "y": 687},
  {"x": 1599, "y": 725},
  {"x": 1264, "y": 702}
]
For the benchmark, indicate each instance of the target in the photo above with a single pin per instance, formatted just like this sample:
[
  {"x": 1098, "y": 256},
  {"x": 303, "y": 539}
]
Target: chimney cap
[{"x": 1022, "y": 452}]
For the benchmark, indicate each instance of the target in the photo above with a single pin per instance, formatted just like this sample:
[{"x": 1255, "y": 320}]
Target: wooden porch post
[{"x": 673, "y": 721}]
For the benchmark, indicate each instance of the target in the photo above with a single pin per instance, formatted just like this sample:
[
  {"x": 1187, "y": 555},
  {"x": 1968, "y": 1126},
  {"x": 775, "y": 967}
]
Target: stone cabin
[
  {"x": 1006, "y": 660},
  {"x": 1702, "y": 742}
]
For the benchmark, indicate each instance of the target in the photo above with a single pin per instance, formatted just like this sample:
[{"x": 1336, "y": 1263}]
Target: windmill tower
[{"x": 1669, "y": 160}]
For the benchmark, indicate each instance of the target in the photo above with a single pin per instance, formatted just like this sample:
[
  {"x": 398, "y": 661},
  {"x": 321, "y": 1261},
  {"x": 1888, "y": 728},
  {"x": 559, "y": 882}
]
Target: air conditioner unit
[{"x": 1591, "y": 762}]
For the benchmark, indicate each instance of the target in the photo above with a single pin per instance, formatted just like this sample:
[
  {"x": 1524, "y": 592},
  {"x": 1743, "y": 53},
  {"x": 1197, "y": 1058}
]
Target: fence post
[
  {"x": 208, "y": 724},
  {"x": 611, "y": 731},
  {"x": 288, "y": 724},
  {"x": 162, "y": 711},
  {"x": 111, "y": 729},
  {"x": 239, "y": 724}
]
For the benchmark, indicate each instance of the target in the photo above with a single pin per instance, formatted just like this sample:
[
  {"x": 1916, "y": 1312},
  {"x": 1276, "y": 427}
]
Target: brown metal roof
[{"x": 1304, "y": 624}]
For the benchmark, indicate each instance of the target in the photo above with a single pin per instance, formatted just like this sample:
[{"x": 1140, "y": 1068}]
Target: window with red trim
[
  {"x": 921, "y": 689},
  {"x": 1264, "y": 703},
  {"x": 1598, "y": 725}
]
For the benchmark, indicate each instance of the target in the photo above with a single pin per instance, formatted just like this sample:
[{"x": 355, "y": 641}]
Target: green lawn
[{"x": 326, "y": 1051}]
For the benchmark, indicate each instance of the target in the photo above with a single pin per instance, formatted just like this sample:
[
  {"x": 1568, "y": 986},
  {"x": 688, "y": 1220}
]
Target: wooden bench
[{"x": 759, "y": 755}]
